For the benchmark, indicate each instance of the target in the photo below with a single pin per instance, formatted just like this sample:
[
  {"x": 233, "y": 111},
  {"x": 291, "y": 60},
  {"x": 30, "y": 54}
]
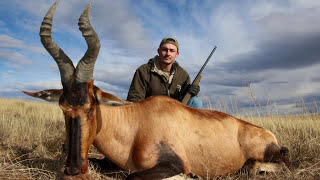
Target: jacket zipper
[
  {"x": 166, "y": 86},
  {"x": 168, "y": 92}
]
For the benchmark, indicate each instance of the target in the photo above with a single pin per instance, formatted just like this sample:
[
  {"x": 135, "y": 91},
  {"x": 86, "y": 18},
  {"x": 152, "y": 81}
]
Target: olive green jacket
[{"x": 149, "y": 81}]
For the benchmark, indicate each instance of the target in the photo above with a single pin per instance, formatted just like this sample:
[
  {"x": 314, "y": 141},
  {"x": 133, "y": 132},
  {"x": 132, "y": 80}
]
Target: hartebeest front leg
[
  {"x": 168, "y": 165},
  {"x": 64, "y": 153},
  {"x": 160, "y": 171}
]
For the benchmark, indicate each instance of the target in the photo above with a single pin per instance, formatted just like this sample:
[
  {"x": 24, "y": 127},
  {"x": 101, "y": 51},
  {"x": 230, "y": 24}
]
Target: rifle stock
[{"x": 187, "y": 97}]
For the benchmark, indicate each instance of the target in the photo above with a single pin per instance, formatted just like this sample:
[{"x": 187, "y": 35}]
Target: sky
[{"x": 267, "y": 50}]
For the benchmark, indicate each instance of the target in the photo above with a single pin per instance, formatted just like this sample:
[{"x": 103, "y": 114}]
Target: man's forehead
[{"x": 168, "y": 46}]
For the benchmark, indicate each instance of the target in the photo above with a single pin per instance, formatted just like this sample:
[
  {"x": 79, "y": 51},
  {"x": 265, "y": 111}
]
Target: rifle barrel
[{"x": 204, "y": 65}]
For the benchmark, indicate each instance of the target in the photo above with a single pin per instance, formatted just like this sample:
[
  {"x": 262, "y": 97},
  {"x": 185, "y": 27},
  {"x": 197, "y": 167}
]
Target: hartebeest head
[{"x": 77, "y": 99}]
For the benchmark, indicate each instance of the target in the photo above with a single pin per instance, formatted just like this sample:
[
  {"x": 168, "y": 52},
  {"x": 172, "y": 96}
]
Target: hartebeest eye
[
  {"x": 65, "y": 108},
  {"x": 87, "y": 107}
]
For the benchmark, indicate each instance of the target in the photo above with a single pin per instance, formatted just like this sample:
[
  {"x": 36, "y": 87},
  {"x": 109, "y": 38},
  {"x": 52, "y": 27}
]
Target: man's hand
[{"x": 194, "y": 89}]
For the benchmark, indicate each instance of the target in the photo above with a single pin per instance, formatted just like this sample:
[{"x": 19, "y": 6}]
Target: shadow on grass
[{"x": 108, "y": 168}]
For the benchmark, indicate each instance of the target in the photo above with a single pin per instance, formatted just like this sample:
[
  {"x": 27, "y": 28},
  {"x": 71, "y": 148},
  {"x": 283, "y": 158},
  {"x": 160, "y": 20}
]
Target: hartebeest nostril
[{"x": 72, "y": 171}]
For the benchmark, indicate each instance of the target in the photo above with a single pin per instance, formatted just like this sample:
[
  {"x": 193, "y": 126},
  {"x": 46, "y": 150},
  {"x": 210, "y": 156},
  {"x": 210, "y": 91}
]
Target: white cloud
[
  {"x": 260, "y": 9},
  {"x": 112, "y": 89},
  {"x": 15, "y": 52},
  {"x": 9, "y": 42},
  {"x": 223, "y": 25},
  {"x": 13, "y": 56},
  {"x": 41, "y": 85},
  {"x": 305, "y": 4},
  {"x": 274, "y": 18},
  {"x": 117, "y": 22},
  {"x": 120, "y": 75},
  {"x": 233, "y": 31}
]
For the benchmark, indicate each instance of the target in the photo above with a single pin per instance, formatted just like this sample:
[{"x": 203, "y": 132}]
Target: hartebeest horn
[
  {"x": 84, "y": 70},
  {"x": 64, "y": 63}
]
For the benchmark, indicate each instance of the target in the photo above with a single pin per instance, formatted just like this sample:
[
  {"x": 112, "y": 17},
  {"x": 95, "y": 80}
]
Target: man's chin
[{"x": 167, "y": 62}]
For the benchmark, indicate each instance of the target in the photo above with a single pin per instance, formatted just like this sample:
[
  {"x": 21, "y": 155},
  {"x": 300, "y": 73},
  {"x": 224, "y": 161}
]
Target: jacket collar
[{"x": 155, "y": 67}]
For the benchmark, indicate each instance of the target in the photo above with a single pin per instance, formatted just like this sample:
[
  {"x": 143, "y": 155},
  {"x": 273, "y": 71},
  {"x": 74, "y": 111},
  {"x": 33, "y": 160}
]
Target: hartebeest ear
[
  {"x": 51, "y": 95},
  {"x": 109, "y": 99}
]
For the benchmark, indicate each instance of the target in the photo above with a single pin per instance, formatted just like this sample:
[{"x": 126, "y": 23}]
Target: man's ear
[{"x": 158, "y": 51}]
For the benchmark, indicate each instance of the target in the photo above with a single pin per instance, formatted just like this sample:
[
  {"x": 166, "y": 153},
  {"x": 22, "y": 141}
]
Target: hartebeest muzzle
[{"x": 74, "y": 160}]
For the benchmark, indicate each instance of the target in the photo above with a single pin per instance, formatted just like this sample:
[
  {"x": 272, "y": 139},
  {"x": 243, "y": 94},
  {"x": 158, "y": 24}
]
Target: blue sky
[{"x": 272, "y": 45}]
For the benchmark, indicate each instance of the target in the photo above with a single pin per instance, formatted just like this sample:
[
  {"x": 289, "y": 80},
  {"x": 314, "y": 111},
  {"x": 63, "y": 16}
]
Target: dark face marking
[
  {"x": 74, "y": 160},
  {"x": 168, "y": 165},
  {"x": 76, "y": 95}
]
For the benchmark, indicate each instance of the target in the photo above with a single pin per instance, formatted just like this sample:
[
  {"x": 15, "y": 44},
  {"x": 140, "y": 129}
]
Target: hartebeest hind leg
[
  {"x": 276, "y": 154},
  {"x": 274, "y": 157},
  {"x": 168, "y": 164}
]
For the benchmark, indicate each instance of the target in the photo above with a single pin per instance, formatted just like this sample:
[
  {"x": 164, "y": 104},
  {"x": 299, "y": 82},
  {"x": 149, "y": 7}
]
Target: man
[{"x": 162, "y": 75}]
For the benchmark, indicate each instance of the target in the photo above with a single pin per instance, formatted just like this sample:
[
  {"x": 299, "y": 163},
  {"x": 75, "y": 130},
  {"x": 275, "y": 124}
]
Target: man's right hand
[{"x": 194, "y": 89}]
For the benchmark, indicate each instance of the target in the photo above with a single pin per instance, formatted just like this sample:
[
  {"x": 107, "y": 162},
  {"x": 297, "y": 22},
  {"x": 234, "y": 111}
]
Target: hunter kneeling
[{"x": 162, "y": 75}]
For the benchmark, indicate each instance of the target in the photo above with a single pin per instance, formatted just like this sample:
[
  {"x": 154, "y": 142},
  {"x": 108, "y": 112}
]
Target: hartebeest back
[{"x": 156, "y": 138}]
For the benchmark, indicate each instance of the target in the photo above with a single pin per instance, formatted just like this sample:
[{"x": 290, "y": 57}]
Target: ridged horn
[
  {"x": 84, "y": 70},
  {"x": 64, "y": 63}
]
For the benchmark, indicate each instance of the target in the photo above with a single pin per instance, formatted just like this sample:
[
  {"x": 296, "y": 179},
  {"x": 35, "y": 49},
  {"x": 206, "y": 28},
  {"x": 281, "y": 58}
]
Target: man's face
[{"x": 168, "y": 53}]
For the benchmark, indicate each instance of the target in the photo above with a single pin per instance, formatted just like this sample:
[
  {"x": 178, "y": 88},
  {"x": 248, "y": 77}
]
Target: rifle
[{"x": 185, "y": 88}]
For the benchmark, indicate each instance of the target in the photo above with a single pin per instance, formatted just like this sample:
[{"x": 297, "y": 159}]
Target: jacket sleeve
[{"x": 139, "y": 85}]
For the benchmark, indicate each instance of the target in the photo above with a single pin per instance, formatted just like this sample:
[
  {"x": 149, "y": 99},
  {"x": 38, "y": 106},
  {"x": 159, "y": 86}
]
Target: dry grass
[{"x": 32, "y": 134}]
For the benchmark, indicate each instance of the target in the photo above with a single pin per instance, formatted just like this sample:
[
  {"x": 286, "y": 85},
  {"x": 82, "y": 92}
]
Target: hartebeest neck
[
  {"x": 118, "y": 118},
  {"x": 116, "y": 129}
]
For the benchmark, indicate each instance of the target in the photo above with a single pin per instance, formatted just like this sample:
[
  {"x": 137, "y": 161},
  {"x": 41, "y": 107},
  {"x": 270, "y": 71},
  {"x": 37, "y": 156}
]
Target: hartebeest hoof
[
  {"x": 78, "y": 177},
  {"x": 181, "y": 176},
  {"x": 72, "y": 171},
  {"x": 264, "y": 167}
]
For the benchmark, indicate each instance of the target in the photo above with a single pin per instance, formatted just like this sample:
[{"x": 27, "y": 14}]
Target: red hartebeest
[{"x": 156, "y": 138}]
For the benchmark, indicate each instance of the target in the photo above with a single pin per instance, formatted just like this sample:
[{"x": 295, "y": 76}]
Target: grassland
[{"x": 32, "y": 134}]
